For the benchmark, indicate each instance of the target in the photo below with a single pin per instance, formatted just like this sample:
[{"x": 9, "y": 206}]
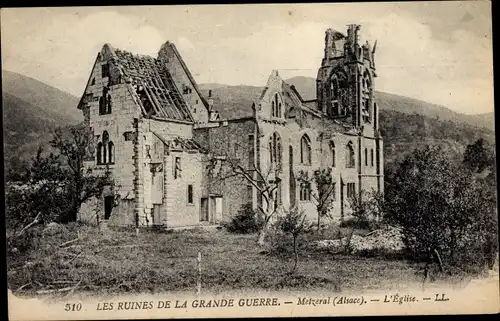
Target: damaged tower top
[{"x": 338, "y": 45}]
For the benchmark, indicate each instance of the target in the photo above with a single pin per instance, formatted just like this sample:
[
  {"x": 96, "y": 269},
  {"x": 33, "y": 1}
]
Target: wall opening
[
  {"x": 190, "y": 194},
  {"x": 108, "y": 206}
]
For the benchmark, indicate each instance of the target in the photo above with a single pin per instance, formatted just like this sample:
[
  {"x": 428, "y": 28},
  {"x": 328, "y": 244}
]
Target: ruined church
[{"x": 158, "y": 135}]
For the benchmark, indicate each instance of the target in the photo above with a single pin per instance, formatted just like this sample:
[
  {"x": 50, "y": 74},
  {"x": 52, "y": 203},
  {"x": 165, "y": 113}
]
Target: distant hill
[
  {"x": 306, "y": 86},
  {"x": 232, "y": 101},
  {"x": 41, "y": 95},
  {"x": 403, "y": 132},
  {"x": 31, "y": 111}
]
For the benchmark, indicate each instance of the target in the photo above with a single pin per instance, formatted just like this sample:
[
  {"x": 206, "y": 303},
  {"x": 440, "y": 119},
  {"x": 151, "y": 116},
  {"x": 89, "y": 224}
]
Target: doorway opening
[
  {"x": 204, "y": 209},
  {"x": 108, "y": 206}
]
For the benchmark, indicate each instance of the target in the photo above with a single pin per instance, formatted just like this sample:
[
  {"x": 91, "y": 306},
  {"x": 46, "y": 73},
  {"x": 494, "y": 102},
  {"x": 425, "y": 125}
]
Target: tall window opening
[
  {"x": 305, "y": 150},
  {"x": 276, "y": 110},
  {"x": 190, "y": 198},
  {"x": 333, "y": 109},
  {"x": 351, "y": 190},
  {"x": 275, "y": 150},
  {"x": 105, "y": 102},
  {"x": 332, "y": 152},
  {"x": 177, "y": 168},
  {"x": 350, "y": 161}
]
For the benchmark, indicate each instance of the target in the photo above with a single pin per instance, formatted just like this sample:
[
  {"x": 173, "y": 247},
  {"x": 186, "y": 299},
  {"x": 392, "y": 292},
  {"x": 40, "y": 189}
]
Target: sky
[{"x": 440, "y": 52}]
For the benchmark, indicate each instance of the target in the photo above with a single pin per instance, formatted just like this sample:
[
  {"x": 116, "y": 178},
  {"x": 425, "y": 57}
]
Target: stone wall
[
  {"x": 234, "y": 140},
  {"x": 119, "y": 125},
  {"x": 179, "y": 212}
]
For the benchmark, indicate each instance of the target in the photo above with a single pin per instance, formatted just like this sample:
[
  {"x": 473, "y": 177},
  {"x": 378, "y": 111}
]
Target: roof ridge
[{"x": 135, "y": 54}]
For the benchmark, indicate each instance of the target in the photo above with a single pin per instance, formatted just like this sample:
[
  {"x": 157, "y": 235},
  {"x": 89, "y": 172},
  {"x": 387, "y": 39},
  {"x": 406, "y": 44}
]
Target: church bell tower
[{"x": 346, "y": 79}]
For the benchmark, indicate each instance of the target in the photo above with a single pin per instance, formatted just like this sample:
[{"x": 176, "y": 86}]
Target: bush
[
  {"x": 366, "y": 211},
  {"x": 246, "y": 221}
]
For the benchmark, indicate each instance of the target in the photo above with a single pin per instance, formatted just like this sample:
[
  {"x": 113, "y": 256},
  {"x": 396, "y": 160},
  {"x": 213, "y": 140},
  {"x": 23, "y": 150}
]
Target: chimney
[{"x": 210, "y": 93}]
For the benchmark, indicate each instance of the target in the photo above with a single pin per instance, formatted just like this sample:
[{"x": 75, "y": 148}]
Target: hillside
[
  {"x": 404, "y": 132},
  {"x": 31, "y": 111},
  {"x": 226, "y": 98},
  {"x": 36, "y": 93}
]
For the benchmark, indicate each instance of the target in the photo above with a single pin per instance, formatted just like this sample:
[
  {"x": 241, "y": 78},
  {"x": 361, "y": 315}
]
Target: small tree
[
  {"x": 476, "y": 156},
  {"x": 57, "y": 184},
  {"x": 245, "y": 221},
  {"x": 265, "y": 182},
  {"x": 367, "y": 210},
  {"x": 293, "y": 223},
  {"x": 73, "y": 144}
]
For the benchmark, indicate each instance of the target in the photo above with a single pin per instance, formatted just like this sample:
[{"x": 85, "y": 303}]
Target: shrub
[
  {"x": 366, "y": 211},
  {"x": 246, "y": 221}
]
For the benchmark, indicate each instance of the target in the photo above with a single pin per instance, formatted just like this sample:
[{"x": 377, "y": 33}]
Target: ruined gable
[{"x": 170, "y": 58}]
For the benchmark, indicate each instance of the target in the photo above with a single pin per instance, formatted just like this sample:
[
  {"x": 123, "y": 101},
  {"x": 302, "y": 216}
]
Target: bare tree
[
  {"x": 265, "y": 182},
  {"x": 73, "y": 144}
]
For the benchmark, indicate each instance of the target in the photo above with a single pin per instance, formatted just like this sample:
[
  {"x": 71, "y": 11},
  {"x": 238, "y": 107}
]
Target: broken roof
[
  {"x": 153, "y": 84},
  {"x": 178, "y": 143}
]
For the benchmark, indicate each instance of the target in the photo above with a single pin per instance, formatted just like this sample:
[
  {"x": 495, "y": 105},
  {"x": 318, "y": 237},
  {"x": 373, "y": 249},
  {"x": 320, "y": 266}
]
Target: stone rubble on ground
[
  {"x": 52, "y": 229},
  {"x": 388, "y": 239}
]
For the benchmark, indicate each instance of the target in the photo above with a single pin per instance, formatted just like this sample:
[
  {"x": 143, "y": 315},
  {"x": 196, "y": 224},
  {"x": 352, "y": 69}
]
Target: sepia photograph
[{"x": 198, "y": 161}]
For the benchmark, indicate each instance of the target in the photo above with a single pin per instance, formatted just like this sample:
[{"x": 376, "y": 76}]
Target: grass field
[{"x": 118, "y": 261}]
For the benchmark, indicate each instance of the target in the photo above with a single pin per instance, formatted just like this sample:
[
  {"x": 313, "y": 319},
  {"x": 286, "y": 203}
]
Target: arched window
[
  {"x": 105, "y": 141},
  {"x": 101, "y": 106},
  {"x": 99, "y": 153},
  {"x": 305, "y": 191},
  {"x": 350, "y": 162},
  {"x": 332, "y": 151},
  {"x": 276, "y": 106},
  {"x": 305, "y": 150},
  {"x": 366, "y": 99},
  {"x": 275, "y": 150},
  {"x": 333, "y": 106},
  {"x": 334, "y": 88},
  {"x": 105, "y": 150},
  {"x": 111, "y": 153},
  {"x": 366, "y": 156},
  {"x": 371, "y": 156},
  {"x": 105, "y": 102},
  {"x": 108, "y": 104}
]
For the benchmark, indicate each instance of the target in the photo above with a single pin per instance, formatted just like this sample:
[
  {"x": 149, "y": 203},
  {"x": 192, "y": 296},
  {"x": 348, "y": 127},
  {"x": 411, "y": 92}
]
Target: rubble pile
[{"x": 389, "y": 240}]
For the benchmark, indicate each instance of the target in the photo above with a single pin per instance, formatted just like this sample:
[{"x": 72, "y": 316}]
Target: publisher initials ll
[{"x": 441, "y": 297}]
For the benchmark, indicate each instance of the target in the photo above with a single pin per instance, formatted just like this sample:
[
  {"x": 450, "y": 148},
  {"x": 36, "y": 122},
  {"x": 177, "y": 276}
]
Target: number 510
[{"x": 73, "y": 307}]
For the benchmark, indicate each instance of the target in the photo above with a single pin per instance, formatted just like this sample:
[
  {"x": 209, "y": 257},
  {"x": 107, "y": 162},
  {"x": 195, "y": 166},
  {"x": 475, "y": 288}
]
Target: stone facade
[{"x": 168, "y": 143}]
